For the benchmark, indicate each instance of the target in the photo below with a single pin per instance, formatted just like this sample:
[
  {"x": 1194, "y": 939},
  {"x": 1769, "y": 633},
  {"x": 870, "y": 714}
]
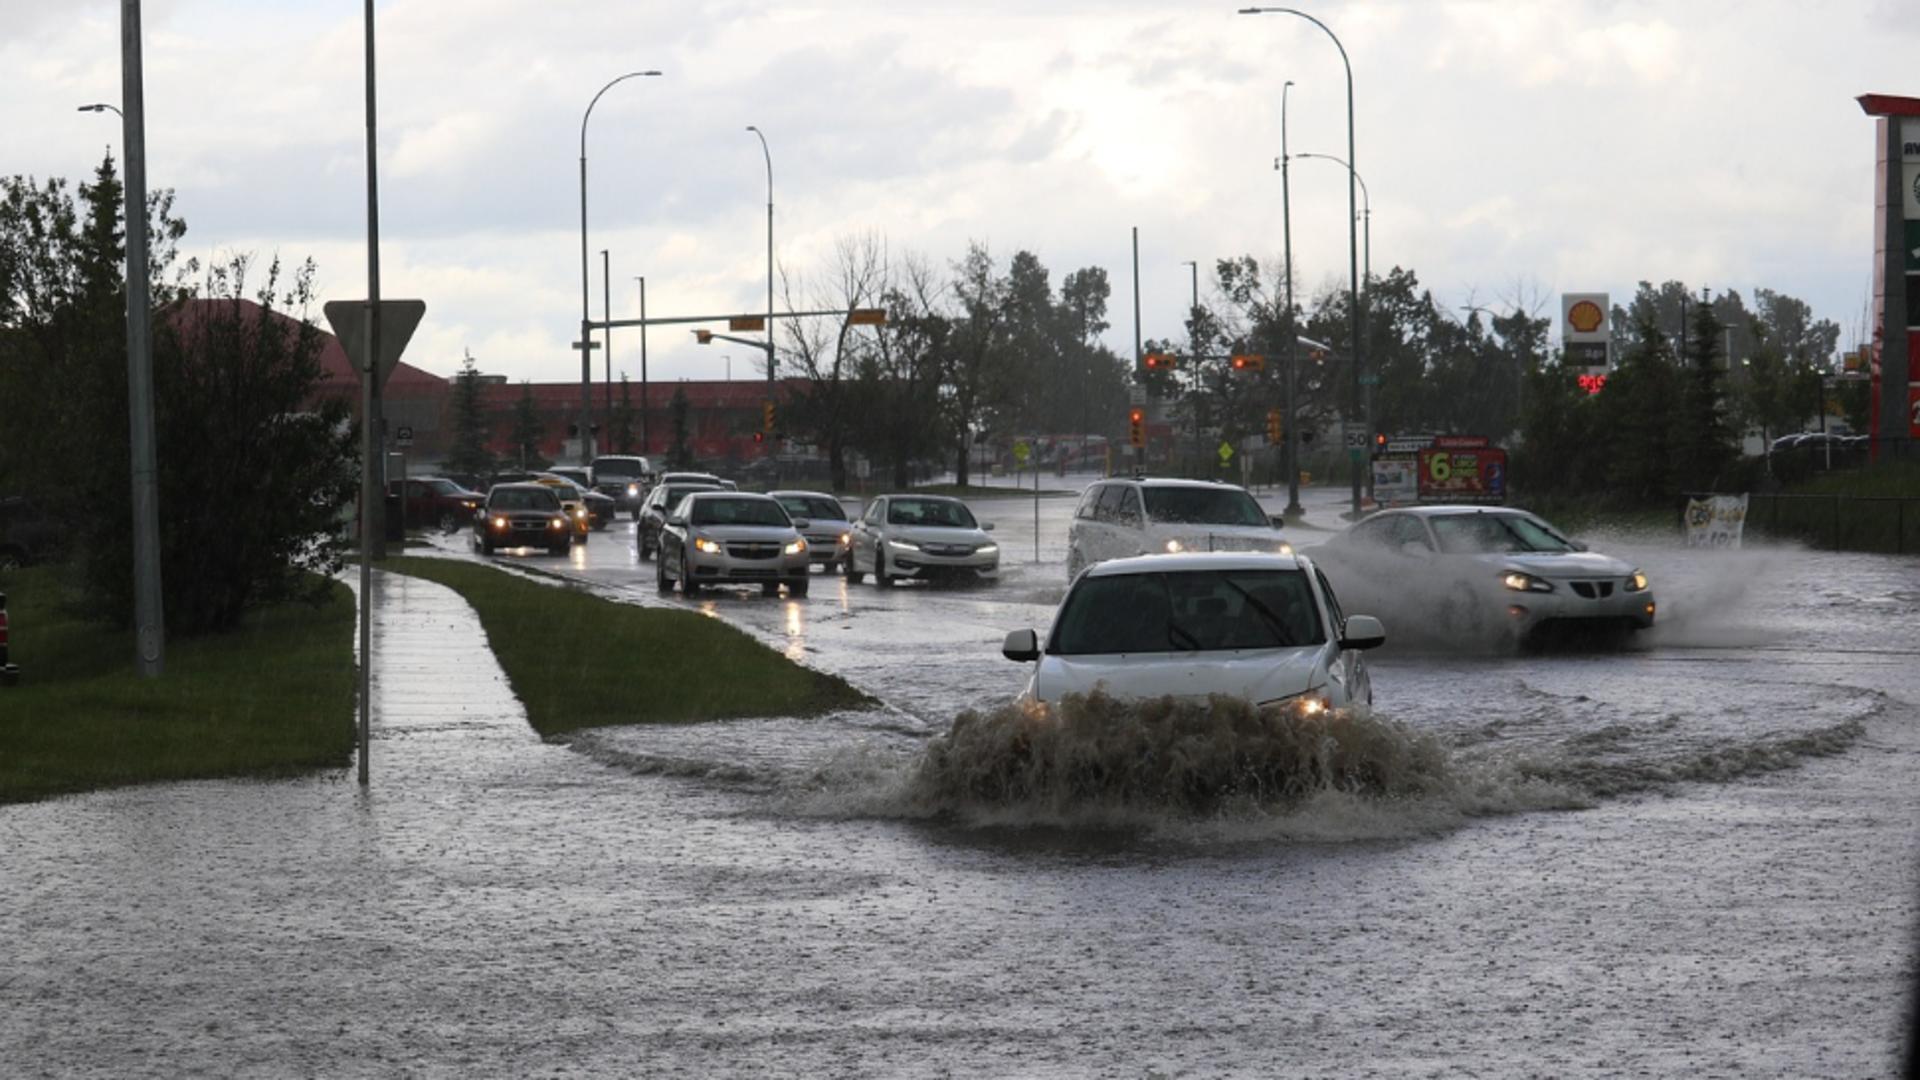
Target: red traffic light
[
  {"x": 759, "y": 436},
  {"x": 1155, "y": 361},
  {"x": 1380, "y": 439},
  {"x": 1136, "y": 416},
  {"x": 1249, "y": 362}
]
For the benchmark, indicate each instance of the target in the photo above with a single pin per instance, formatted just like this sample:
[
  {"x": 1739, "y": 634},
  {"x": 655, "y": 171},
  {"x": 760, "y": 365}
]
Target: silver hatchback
[{"x": 732, "y": 538}]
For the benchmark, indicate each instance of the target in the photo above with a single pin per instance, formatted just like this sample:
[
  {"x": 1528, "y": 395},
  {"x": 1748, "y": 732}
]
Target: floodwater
[{"x": 1692, "y": 856}]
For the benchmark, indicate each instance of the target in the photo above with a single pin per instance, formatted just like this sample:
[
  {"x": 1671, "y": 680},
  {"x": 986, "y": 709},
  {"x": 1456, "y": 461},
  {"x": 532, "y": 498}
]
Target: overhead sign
[
  {"x": 746, "y": 322},
  {"x": 398, "y": 318},
  {"x": 867, "y": 316},
  {"x": 1585, "y": 328},
  {"x": 1467, "y": 475}
]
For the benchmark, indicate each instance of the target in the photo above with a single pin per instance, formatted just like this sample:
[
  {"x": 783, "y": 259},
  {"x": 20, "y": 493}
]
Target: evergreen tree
[
  {"x": 1638, "y": 409},
  {"x": 1703, "y": 439},
  {"x": 680, "y": 455},
  {"x": 469, "y": 454},
  {"x": 622, "y": 418},
  {"x": 528, "y": 431}
]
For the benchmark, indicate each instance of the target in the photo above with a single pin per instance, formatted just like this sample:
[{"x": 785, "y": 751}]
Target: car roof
[
  {"x": 809, "y": 495},
  {"x": 917, "y": 495},
  {"x": 1171, "y": 482},
  {"x": 1449, "y": 509},
  {"x": 1197, "y": 560},
  {"x": 521, "y": 485},
  {"x": 729, "y": 494}
]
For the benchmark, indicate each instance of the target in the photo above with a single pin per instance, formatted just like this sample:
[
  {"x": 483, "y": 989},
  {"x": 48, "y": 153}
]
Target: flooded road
[{"x": 1693, "y": 857}]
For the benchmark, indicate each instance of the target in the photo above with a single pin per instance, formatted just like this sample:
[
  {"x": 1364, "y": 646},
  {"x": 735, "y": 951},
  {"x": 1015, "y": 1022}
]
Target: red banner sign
[
  {"x": 1459, "y": 442},
  {"x": 1474, "y": 474}
]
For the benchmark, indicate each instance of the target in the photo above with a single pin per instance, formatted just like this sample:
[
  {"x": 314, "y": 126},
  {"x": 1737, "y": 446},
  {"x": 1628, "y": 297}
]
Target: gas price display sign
[{"x": 1475, "y": 474}]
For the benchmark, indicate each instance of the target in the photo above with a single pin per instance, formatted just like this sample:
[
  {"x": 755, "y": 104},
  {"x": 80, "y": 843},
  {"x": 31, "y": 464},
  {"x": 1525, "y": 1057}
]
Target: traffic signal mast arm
[{"x": 855, "y": 316}]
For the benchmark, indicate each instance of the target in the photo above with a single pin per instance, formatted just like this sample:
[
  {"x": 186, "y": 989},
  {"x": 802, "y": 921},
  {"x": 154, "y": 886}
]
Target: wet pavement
[{"x": 1695, "y": 857}]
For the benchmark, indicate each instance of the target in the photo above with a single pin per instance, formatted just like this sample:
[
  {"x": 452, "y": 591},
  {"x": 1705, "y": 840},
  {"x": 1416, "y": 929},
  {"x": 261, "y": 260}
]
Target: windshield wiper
[{"x": 1280, "y": 632}]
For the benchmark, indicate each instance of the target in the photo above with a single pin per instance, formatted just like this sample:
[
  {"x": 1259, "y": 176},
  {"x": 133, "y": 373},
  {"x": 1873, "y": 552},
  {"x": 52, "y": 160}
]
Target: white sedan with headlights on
[
  {"x": 1483, "y": 572},
  {"x": 931, "y": 537},
  {"x": 1263, "y": 627},
  {"x": 732, "y": 538},
  {"x": 829, "y": 532}
]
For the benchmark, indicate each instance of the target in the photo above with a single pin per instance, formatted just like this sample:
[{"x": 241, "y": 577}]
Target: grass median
[
  {"x": 272, "y": 698},
  {"x": 577, "y": 660}
]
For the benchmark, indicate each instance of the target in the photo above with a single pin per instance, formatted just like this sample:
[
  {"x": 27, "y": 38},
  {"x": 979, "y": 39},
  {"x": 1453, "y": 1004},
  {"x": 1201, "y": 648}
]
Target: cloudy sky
[{"x": 1514, "y": 150}]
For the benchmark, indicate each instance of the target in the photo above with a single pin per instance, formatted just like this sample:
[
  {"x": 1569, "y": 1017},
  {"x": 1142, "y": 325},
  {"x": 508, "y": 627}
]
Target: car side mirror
[
  {"x": 801, "y": 523},
  {"x": 676, "y": 521},
  {"x": 1278, "y": 521},
  {"x": 1363, "y": 632},
  {"x": 1578, "y": 546},
  {"x": 1021, "y": 646},
  {"x": 988, "y": 527}
]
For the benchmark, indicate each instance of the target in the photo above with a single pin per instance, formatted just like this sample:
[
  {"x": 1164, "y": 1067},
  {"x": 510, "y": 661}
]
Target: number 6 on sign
[{"x": 1439, "y": 468}]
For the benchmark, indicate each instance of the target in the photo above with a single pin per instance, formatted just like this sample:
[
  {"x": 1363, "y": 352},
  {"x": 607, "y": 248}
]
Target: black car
[
  {"x": 27, "y": 533},
  {"x": 522, "y": 515},
  {"x": 653, "y": 513}
]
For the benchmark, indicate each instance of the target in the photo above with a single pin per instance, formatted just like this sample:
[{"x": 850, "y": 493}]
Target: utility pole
[
  {"x": 1139, "y": 452},
  {"x": 1292, "y": 432},
  {"x": 645, "y": 445},
  {"x": 372, "y": 440},
  {"x": 606, "y": 316},
  {"x": 148, "y": 616}
]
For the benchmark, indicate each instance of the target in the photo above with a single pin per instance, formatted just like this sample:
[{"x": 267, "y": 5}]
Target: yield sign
[{"x": 397, "y": 321}]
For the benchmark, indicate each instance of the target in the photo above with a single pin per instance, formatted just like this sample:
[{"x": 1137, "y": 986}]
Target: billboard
[{"x": 1474, "y": 474}]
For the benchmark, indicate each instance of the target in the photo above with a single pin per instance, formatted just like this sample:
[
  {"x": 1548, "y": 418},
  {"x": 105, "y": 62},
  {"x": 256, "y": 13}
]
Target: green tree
[
  {"x": 680, "y": 454},
  {"x": 528, "y": 430},
  {"x": 622, "y": 418},
  {"x": 1703, "y": 441},
  {"x": 469, "y": 454},
  {"x": 975, "y": 357}
]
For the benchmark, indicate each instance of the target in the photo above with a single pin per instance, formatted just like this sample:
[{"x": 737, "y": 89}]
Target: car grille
[
  {"x": 753, "y": 549},
  {"x": 948, "y": 549},
  {"x": 1593, "y": 590}
]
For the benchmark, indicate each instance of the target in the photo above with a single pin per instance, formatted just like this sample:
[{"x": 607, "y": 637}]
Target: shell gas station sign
[{"x": 1586, "y": 336}]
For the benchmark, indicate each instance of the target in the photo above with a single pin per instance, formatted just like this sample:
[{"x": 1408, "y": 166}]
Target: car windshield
[
  {"x": 1187, "y": 611},
  {"x": 1485, "y": 532},
  {"x": 939, "y": 512},
  {"x": 1203, "y": 506},
  {"x": 523, "y": 499},
  {"x": 617, "y": 468},
  {"x": 723, "y": 511},
  {"x": 814, "y": 509},
  {"x": 676, "y": 492},
  {"x": 577, "y": 476},
  {"x": 445, "y": 487}
]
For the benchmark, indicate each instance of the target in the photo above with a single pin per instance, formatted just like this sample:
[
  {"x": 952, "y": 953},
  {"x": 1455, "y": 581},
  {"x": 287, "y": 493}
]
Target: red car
[{"x": 434, "y": 502}]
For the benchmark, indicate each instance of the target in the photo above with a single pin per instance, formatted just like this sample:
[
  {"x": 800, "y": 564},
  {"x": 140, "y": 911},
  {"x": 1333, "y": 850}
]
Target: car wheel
[
  {"x": 660, "y": 579},
  {"x": 769, "y": 588},
  {"x": 559, "y": 549},
  {"x": 797, "y": 587},
  {"x": 880, "y": 577},
  {"x": 486, "y": 548},
  {"x": 853, "y": 574}
]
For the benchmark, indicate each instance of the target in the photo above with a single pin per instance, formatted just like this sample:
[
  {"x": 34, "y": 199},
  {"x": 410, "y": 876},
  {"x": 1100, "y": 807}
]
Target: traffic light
[
  {"x": 1318, "y": 356},
  {"x": 1137, "y": 427},
  {"x": 704, "y": 337},
  {"x": 759, "y": 436},
  {"x": 1379, "y": 442},
  {"x": 1160, "y": 361},
  {"x": 766, "y": 416},
  {"x": 1249, "y": 362},
  {"x": 1274, "y": 431}
]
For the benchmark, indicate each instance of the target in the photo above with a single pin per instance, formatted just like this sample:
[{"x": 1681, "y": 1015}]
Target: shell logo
[{"x": 1585, "y": 316}]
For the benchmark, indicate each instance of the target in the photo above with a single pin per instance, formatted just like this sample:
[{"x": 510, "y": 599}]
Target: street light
[
  {"x": 1353, "y": 231},
  {"x": 1366, "y": 217},
  {"x": 101, "y": 106},
  {"x": 768, "y": 155},
  {"x": 585, "y": 344}
]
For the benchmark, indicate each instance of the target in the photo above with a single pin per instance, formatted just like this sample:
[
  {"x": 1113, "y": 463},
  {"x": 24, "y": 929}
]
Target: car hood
[
  {"x": 1258, "y": 675},
  {"x": 934, "y": 534},
  {"x": 1200, "y": 537},
  {"x": 745, "y": 532},
  {"x": 1561, "y": 566}
]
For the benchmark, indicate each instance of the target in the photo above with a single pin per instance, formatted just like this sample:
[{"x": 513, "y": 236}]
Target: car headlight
[
  {"x": 557, "y": 523},
  {"x": 796, "y": 547},
  {"x": 1174, "y": 547},
  {"x": 846, "y": 539},
  {"x": 1284, "y": 548},
  {"x": 1524, "y": 582},
  {"x": 988, "y": 549},
  {"x": 701, "y": 543},
  {"x": 1637, "y": 581},
  {"x": 1310, "y": 703},
  {"x": 581, "y": 513},
  {"x": 499, "y": 523},
  {"x": 633, "y": 490},
  {"x": 904, "y": 545}
]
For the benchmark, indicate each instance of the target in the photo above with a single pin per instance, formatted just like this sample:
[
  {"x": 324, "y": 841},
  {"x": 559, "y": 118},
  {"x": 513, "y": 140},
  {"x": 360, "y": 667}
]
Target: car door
[
  {"x": 865, "y": 536},
  {"x": 1349, "y": 667},
  {"x": 1130, "y": 523},
  {"x": 1080, "y": 531}
]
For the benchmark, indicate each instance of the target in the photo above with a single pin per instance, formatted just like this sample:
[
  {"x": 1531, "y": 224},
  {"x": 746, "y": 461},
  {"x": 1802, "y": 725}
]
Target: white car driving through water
[
  {"x": 1263, "y": 627},
  {"x": 1483, "y": 572},
  {"x": 1119, "y": 518},
  {"x": 930, "y": 537}
]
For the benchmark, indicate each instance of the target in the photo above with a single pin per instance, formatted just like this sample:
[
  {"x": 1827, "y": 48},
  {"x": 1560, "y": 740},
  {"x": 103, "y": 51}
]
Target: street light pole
[
  {"x": 1366, "y": 217},
  {"x": 585, "y": 344},
  {"x": 645, "y": 445},
  {"x": 768, "y": 155},
  {"x": 148, "y": 615},
  {"x": 1362, "y": 400},
  {"x": 1193, "y": 346},
  {"x": 606, "y": 315},
  {"x": 1286, "y": 230}
]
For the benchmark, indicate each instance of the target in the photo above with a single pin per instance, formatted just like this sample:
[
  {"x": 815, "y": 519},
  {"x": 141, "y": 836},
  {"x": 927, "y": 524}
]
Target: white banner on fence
[{"x": 1716, "y": 521}]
